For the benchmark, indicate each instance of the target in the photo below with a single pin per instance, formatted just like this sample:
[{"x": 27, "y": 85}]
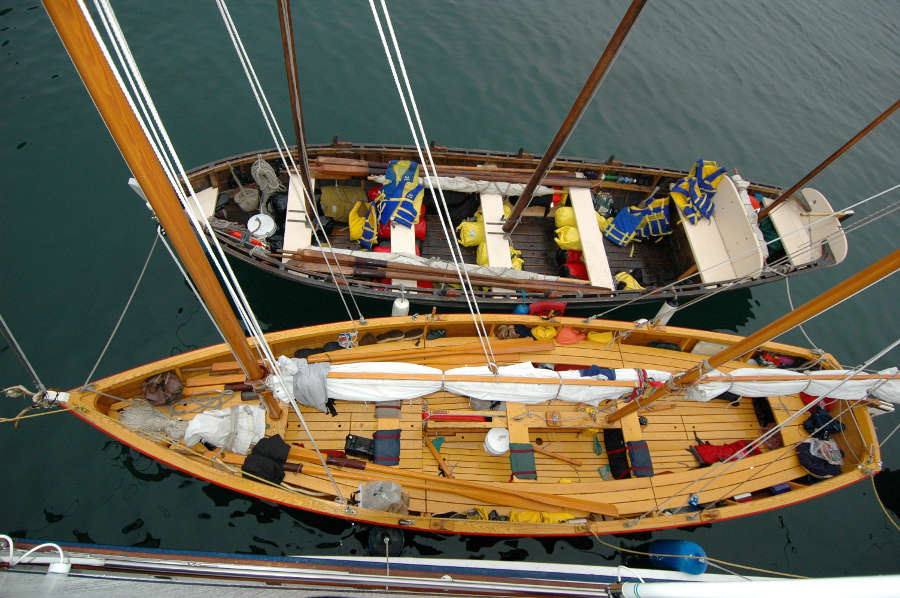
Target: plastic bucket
[
  {"x": 496, "y": 441},
  {"x": 261, "y": 226}
]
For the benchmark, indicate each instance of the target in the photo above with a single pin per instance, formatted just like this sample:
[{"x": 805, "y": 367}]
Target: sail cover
[{"x": 742, "y": 384}]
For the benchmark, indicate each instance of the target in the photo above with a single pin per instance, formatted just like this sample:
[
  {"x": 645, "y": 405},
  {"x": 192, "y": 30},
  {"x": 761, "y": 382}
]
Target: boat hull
[{"x": 644, "y": 503}]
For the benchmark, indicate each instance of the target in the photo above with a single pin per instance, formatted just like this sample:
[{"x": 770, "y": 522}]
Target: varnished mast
[
  {"x": 880, "y": 269},
  {"x": 781, "y": 198},
  {"x": 290, "y": 65},
  {"x": 103, "y": 88},
  {"x": 581, "y": 102}
]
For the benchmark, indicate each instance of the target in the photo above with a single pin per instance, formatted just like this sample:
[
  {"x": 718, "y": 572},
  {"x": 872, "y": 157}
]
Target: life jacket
[
  {"x": 655, "y": 221},
  {"x": 623, "y": 229},
  {"x": 694, "y": 194},
  {"x": 401, "y": 196}
]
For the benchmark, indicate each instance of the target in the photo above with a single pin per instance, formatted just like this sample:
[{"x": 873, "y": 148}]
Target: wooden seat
[
  {"x": 724, "y": 246},
  {"x": 403, "y": 240},
  {"x": 207, "y": 200},
  {"x": 593, "y": 252},
  {"x": 495, "y": 240},
  {"x": 297, "y": 232},
  {"x": 803, "y": 232}
]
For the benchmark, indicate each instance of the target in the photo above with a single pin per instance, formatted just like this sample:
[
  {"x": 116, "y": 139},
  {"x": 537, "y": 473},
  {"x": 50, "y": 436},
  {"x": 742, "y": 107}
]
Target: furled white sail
[{"x": 742, "y": 382}]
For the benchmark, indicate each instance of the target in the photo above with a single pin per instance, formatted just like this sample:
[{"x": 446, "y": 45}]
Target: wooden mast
[
  {"x": 836, "y": 294},
  {"x": 581, "y": 102},
  {"x": 104, "y": 89},
  {"x": 765, "y": 211},
  {"x": 290, "y": 65}
]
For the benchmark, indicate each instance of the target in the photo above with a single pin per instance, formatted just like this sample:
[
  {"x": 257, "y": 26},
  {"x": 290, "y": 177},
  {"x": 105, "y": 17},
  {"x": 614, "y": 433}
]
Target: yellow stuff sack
[
  {"x": 481, "y": 256},
  {"x": 600, "y": 337},
  {"x": 543, "y": 333},
  {"x": 517, "y": 261},
  {"x": 539, "y": 516},
  {"x": 602, "y": 221},
  {"x": 338, "y": 201},
  {"x": 630, "y": 283},
  {"x": 471, "y": 233},
  {"x": 565, "y": 216},
  {"x": 567, "y": 237},
  {"x": 356, "y": 220}
]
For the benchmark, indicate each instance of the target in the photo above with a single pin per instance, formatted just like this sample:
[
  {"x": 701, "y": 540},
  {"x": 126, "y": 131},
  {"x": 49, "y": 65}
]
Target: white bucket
[
  {"x": 261, "y": 226},
  {"x": 496, "y": 441}
]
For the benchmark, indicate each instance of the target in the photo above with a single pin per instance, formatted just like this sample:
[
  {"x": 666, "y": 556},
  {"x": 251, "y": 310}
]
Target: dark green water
[{"x": 768, "y": 87}]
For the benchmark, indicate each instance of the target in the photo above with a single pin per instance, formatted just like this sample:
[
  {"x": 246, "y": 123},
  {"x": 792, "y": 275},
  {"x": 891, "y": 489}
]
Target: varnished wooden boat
[
  {"x": 724, "y": 249},
  {"x": 670, "y": 429},
  {"x": 568, "y": 494}
]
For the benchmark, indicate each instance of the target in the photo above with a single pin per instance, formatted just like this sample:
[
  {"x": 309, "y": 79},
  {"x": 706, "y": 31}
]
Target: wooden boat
[
  {"x": 552, "y": 482},
  {"x": 723, "y": 251}
]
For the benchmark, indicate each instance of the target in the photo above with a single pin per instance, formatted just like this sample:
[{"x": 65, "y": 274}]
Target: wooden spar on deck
[
  {"x": 290, "y": 65},
  {"x": 781, "y": 198},
  {"x": 378, "y": 268},
  {"x": 880, "y": 269},
  {"x": 104, "y": 89},
  {"x": 581, "y": 102}
]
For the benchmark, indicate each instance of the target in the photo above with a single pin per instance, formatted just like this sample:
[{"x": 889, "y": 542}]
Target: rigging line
[
  {"x": 733, "y": 459},
  {"x": 883, "y": 508},
  {"x": 118, "y": 40},
  {"x": 809, "y": 226},
  {"x": 443, "y": 215},
  {"x": 772, "y": 267},
  {"x": 279, "y": 379},
  {"x": 880, "y": 444},
  {"x": 187, "y": 279},
  {"x": 787, "y": 287},
  {"x": 282, "y": 149},
  {"x": 463, "y": 275},
  {"x": 759, "y": 470},
  {"x": 115, "y": 329},
  {"x": 20, "y": 355},
  {"x": 245, "y": 310},
  {"x": 144, "y": 97}
]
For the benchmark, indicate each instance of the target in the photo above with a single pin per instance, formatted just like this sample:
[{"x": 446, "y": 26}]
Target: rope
[
  {"x": 153, "y": 137},
  {"x": 20, "y": 354},
  {"x": 883, "y": 508},
  {"x": 115, "y": 329},
  {"x": 282, "y": 148},
  {"x": 733, "y": 459},
  {"x": 706, "y": 558},
  {"x": 16, "y": 419},
  {"x": 443, "y": 211}
]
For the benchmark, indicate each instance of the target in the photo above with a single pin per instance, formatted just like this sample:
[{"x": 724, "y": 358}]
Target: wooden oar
[
  {"x": 437, "y": 457},
  {"x": 452, "y": 485},
  {"x": 487, "y": 497},
  {"x": 499, "y": 347}
]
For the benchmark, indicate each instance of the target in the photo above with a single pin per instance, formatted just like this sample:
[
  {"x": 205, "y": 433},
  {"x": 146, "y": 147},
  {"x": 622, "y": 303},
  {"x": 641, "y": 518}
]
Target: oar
[{"x": 565, "y": 502}]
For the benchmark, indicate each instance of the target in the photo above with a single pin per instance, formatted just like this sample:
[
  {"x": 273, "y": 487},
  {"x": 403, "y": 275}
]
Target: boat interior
[
  {"x": 726, "y": 249},
  {"x": 577, "y": 454}
]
